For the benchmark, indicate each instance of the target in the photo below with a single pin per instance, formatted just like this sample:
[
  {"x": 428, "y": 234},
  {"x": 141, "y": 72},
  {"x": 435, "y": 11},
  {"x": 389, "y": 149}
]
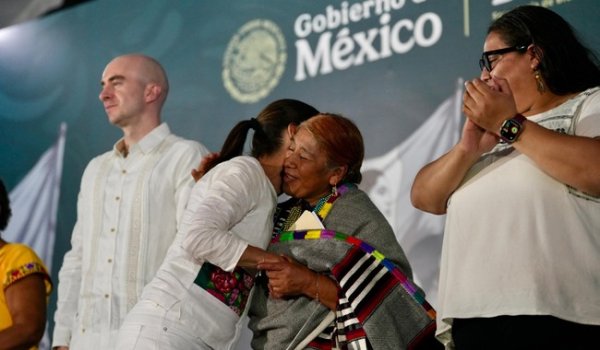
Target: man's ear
[{"x": 152, "y": 92}]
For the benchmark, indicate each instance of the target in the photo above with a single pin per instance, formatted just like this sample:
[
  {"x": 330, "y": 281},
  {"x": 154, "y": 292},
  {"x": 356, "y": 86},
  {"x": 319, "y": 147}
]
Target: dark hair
[
  {"x": 341, "y": 141},
  {"x": 566, "y": 65},
  {"x": 5, "y": 211},
  {"x": 268, "y": 127}
]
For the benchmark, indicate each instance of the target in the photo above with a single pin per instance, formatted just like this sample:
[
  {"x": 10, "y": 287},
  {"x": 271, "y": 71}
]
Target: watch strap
[
  {"x": 512, "y": 128},
  {"x": 520, "y": 118}
]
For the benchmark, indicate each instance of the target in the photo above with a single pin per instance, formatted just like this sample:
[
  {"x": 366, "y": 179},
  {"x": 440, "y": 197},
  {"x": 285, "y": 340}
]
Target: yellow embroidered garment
[{"x": 18, "y": 261}]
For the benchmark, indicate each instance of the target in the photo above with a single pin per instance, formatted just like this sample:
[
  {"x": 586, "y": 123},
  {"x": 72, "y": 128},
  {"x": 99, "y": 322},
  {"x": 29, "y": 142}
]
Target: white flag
[
  {"x": 388, "y": 180},
  {"x": 34, "y": 204}
]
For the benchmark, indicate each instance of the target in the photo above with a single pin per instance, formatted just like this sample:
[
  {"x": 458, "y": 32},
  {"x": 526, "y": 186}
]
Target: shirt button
[
  {"x": 117, "y": 198},
  {"x": 112, "y": 229},
  {"x": 109, "y": 260},
  {"x": 106, "y": 296},
  {"x": 123, "y": 171}
]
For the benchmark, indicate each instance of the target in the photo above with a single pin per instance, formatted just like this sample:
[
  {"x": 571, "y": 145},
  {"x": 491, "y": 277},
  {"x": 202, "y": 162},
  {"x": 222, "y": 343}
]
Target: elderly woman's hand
[{"x": 287, "y": 277}]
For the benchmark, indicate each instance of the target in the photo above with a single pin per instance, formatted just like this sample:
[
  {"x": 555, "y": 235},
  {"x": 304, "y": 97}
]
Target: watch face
[{"x": 510, "y": 130}]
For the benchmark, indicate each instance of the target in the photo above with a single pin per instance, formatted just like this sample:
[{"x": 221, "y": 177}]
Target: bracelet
[{"x": 317, "y": 284}]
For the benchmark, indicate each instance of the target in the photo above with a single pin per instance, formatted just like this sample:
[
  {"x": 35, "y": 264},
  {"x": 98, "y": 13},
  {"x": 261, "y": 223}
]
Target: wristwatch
[{"x": 512, "y": 128}]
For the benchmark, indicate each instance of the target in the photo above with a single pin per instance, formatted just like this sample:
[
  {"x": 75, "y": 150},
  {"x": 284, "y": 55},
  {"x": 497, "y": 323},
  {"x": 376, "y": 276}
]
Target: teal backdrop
[{"x": 387, "y": 68}]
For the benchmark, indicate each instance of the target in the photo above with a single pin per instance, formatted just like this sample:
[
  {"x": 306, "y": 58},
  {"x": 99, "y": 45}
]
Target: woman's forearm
[
  {"x": 436, "y": 181},
  {"x": 324, "y": 290},
  {"x": 253, "y": 256}
]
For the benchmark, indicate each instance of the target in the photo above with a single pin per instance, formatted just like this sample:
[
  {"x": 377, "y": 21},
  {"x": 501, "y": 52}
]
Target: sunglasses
[{"x": 484, "y": 61}]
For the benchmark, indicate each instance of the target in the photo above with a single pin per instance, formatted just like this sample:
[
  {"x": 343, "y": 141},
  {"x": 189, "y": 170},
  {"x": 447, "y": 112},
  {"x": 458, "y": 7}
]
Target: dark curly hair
[{"x": 5, "y": 211}]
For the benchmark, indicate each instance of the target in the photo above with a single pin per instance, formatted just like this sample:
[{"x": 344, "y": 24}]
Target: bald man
[{"x": 129, "y": 205}]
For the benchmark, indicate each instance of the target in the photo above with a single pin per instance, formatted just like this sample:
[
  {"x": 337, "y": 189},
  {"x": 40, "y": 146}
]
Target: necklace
[
  {"x": 324, "y": 205},
  {"x": 322, "y": 202},
  {"x": 283, "y": 222}
]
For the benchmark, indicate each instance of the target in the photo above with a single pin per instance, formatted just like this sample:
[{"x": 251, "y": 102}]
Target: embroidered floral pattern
[
  {"x": 23, "y": 271},
  {"x": 231, "y": 288}
]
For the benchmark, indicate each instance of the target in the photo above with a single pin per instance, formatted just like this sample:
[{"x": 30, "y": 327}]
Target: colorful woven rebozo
[{"x": 369, "y": 283}]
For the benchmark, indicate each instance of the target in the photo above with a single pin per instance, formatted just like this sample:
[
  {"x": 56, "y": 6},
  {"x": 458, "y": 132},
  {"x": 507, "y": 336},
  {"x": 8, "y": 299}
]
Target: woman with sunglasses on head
[{"x": 521, "y": 190}]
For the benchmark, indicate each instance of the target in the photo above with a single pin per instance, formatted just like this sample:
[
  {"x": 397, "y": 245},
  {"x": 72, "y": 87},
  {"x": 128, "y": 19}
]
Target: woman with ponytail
[{"x": 199, "y": 295}]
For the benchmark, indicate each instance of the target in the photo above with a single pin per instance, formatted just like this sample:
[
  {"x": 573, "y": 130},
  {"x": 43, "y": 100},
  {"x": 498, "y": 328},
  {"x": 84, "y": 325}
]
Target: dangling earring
[
  {"x": 538, "y": 80},
  {"x": 334, "y": 191}
]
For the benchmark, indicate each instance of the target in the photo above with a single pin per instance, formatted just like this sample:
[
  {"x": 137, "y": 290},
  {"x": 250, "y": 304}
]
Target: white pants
[{"x": 149, "y": 326}]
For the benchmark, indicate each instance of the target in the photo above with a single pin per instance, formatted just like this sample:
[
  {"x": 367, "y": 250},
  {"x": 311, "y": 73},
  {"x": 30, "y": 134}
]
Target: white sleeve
[
  {"x": 218, "y": 202},
  {"x": 589, "y": 118},
  {"x": 69, "y": 283},
  {"x": 69, "y": 276},
  {"x": 184, "y": 181}
]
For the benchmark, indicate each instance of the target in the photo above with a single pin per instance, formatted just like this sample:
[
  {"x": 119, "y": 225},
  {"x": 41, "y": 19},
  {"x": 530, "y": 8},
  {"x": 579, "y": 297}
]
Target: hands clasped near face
[{"x": 486, "y": 104}]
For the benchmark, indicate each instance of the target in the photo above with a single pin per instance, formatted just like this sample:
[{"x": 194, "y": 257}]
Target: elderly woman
[
  {"x": 336, "y": 274},
  {"x": 521, "y": 252},
  {"x": 25, "y": 288}
]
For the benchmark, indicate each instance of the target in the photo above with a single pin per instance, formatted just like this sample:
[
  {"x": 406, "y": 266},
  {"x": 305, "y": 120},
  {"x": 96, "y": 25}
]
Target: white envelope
[{"x": 307, "y": 221}]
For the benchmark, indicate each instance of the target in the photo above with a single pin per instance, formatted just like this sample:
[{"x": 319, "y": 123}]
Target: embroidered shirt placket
[
  {"x": 139, "y": 216},
  {"x": 87, "y": 275}
]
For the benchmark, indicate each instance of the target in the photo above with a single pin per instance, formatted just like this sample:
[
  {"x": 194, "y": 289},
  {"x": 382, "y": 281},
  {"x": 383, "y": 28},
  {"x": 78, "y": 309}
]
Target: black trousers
[{"x": 523, "y": 332}]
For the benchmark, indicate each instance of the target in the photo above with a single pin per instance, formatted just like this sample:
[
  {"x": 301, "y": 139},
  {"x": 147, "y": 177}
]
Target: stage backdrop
[{"x": 396, "y": 67}]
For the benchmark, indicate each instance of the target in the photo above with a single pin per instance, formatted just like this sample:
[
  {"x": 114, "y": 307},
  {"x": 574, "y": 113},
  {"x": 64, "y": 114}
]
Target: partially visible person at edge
[
  {"x": 191, "y": 303},
  {"x": 309, "y": 292},
  {"x": 26, "y": 286},
  {"x": 130, "y": 202},
  {"x": 521, "y": 253}
]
